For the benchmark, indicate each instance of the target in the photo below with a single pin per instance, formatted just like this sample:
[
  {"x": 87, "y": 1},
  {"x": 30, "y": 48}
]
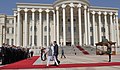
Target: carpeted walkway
[
  {"x": 28, "y": 64},
  {"x": 83, "y": 51}
]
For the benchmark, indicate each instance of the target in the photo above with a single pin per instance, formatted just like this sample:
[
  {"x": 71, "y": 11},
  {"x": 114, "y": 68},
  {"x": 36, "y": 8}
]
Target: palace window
[
  {"x": 31, "y": 28},
  {"x": 35, "y": 28},
  {"x": 68, "y": 20},
  {"x": 45, "y": 28},
  {"x": 103, "y": 37},
  {"x": 12, "y": 21},
  {"x": 74, "y": 19},
  {"x": 102, "y": 29},
  {"x": 35, "y": 39},
  {"x": 30, "y": 17},
  {"x": 62, "y": 29},
  {"x": 91, "y": 39},
  {"x": 12, "y": 30},
  {"x": 12, "y": 41},
  {"x": 45, "y": 40},
  {"x": 69, "y": 29},
  {"x": 7, "y": 21},
  {"x": 7, "y": 41},
  {"x": 91, "y": 29},
  {"x": 30, "y": 40},
  {"x": 74, "y": 29},
  {"x": 7, "y": 30}
]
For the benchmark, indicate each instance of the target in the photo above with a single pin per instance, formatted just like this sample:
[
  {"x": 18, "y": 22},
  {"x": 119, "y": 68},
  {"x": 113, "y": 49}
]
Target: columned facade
[
  {"x": 57, "y": 20},
  {"x": 26, "y": 29},
  {"x": 67, "y": 22},
  {"x": 18, "y": 28},
  {"x": 64, "y": 25},
  {"x": 15, "y": 29},
  {"x": 47, "y": 20},
  {"x": 88, "y": 23},
  {"x": 94, "y": 30},
  {"x": 40, "y": 28},
  {"x": 72, "y": 23},
  {"x": 99, "y": 13},
  {"x": 33, "y": 27}
]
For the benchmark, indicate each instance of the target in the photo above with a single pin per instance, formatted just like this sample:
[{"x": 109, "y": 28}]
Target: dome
[{"x": 59, "y": 2}]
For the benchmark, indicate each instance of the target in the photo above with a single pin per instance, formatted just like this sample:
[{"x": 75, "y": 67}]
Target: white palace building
[{"x": 69, "y": 22}]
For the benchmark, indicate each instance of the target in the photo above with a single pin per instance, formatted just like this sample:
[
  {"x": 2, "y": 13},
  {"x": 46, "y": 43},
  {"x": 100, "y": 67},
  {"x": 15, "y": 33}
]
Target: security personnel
[{"x": 109, "y": 52}]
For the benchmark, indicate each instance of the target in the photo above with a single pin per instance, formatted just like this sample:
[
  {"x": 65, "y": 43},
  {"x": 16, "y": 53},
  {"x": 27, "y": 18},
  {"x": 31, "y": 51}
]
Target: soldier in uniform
[{"x": 109, "y": 52}]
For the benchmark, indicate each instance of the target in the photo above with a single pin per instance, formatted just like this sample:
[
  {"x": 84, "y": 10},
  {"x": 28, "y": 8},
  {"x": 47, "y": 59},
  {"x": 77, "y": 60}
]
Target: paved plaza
[
  {"x": 75, "y": 59},
  {"x": 80, "y": 58}
]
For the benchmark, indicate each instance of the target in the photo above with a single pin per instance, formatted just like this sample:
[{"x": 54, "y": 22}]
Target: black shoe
[{"x": 58, "y": 62}]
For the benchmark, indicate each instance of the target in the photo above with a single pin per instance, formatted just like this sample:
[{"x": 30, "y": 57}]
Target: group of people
[
  {"x": 11, "y": 53},
  {"x": 52, "y": 54}
]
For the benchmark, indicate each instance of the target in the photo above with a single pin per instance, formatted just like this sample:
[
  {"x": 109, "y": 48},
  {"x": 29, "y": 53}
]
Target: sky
[{"x": 6, "y": 6}]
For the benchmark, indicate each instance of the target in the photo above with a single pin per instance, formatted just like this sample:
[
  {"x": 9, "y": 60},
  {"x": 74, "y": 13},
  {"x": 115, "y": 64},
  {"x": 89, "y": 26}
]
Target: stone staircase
[
  {"x": 71, "y": 50},
  {"x": 90, "y": 49}
]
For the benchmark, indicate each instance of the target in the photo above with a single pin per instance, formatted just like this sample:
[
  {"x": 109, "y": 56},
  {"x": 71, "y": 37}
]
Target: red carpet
[
  {"x": 83, "y": 51},
  {"x": 27, "y": 64}
]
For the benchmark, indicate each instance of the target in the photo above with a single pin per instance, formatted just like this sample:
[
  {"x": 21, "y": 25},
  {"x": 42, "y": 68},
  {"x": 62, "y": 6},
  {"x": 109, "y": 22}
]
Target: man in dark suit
[
  {"x": 109, "y": 50},
  {"x": 56, "y": 52}
]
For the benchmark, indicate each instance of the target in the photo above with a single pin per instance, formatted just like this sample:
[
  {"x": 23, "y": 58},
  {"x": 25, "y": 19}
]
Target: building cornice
[
  {"x": 109, "y": 9},
  {"x": 95, "y": 7},
  {"x": 10, "y": 16},
  {"x": 33, "y": 5},
  {"x": 2, "y": 15}
]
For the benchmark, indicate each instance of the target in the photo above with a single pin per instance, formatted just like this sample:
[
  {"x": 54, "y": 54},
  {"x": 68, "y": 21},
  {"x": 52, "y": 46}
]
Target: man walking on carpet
[
  {"x": 51, "y": 57},
  {"x": 56, "y": 49}
]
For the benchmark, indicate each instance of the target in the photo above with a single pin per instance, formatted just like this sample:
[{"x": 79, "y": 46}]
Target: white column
[
  {"x": 89, "y": 27},
  {"x": 26, "y": 29},
  {"x": 100, "y": 36},
  {"x": 1, "y": 36},
  {"x": 114, "y": 29},
  {"x": 85, "y": 21},
  {"x": 33, "y": 27},
  {"x": 18, "y": 29},
  {"x": 117, "y": 26},
  {"x": 79, "y": 17},
  {"x": 40, "y": 28},
  {"x": 64, "y": 25},
  {"x": 94, "y": 36},
  {"x": 47, "y": 18},
  {"x": 106, "y": 26},
  {"x": 4, "y": 33},
  {"x": 54, "y": 25},
  {"x": 72, "y": 24},
  {"x": 111, "y": 27},
  {"x": 15, "y": 28},
  {"x": 58, "y": 37}
]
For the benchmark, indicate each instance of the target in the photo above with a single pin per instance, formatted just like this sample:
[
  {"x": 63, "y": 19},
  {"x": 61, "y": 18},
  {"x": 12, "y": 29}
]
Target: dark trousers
[
  {"x": 56, "y": 56},
  {"x": 63, "y": 56},
  {"x": 109, "y": 57}
]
